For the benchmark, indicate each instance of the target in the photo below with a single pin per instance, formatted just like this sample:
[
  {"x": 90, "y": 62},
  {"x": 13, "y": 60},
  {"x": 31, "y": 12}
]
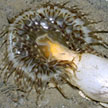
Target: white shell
[{"x": 92, "y": 77}]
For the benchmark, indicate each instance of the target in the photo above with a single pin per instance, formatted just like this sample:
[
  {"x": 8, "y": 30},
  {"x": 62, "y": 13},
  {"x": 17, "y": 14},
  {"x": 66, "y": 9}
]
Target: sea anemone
[{"x": 54, "y": 44}]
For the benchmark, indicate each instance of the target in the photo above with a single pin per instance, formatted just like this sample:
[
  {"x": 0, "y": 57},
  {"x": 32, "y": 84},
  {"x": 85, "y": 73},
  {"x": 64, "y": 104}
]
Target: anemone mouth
[
  {"x": 34, "y": 60},
  {"x": 39, "y": 43}
]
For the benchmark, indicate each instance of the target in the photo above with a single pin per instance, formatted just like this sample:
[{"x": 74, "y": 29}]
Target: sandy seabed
[{"x": 98, "y": 10}]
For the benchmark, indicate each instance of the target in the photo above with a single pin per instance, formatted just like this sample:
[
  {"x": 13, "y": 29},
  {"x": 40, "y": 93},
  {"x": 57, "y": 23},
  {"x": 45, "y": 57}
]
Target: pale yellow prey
[{"x": 91, "y": 75}]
